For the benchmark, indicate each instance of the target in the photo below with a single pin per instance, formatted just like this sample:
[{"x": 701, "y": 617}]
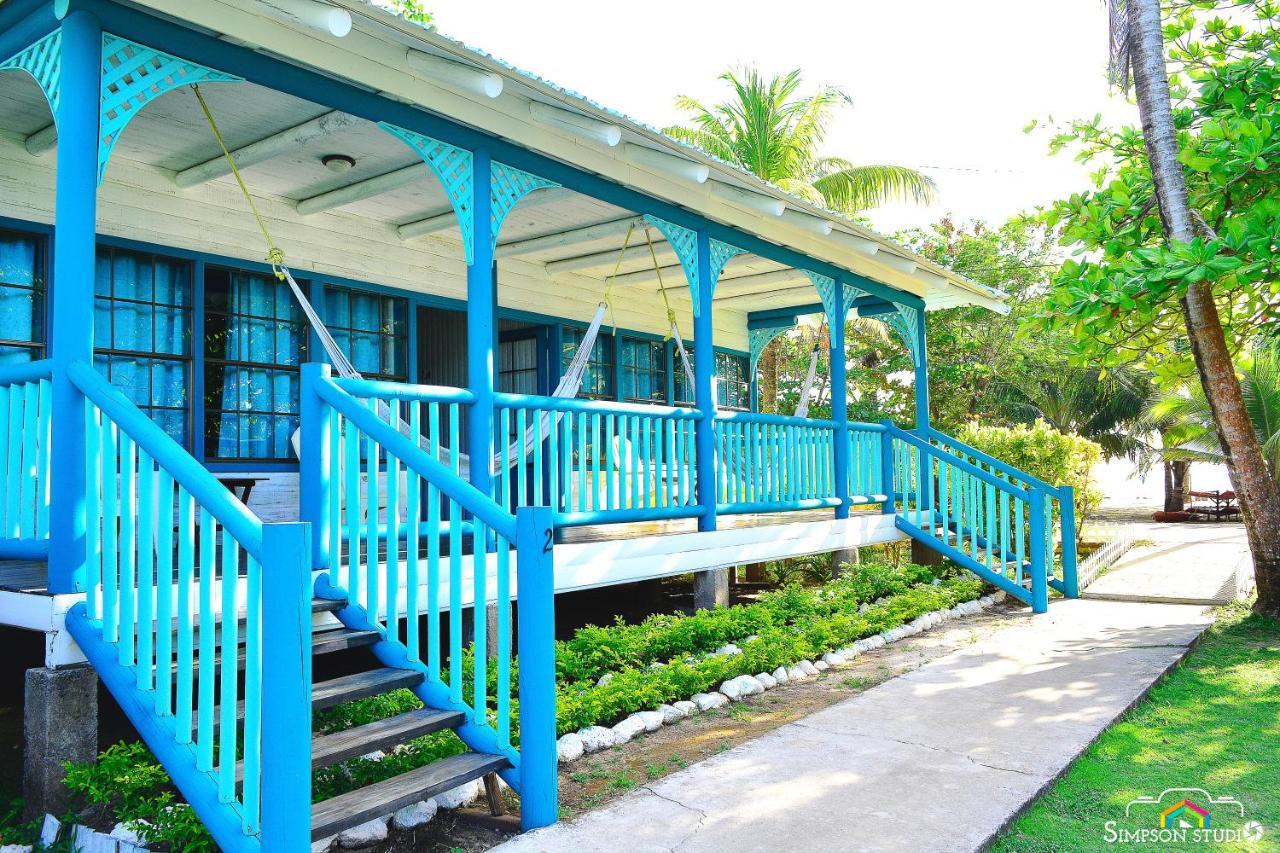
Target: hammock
[{"x": 568, "y": 387}]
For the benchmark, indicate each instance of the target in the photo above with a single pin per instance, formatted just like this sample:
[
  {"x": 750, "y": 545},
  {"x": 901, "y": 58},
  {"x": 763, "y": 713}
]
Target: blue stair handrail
[
  {"x": 177, "y": 570},
  {"x": 996, "y": 523},
  {"x": 361, "y": 470}
]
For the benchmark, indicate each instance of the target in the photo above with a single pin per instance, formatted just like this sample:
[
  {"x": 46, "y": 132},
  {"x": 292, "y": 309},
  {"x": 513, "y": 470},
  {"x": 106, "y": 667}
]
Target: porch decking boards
[
  {"x": 30, "y": 577},
  {"x": 669, "y": 527}
]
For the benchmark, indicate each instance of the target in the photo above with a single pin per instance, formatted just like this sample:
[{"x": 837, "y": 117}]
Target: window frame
[
  {"x": 655, "y": 368},
  {"x": 213, "y": 414},
  {"x": 398, "y": 339}
]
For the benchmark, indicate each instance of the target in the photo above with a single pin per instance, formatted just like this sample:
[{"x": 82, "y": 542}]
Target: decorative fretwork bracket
[
  {"x": 905, "y": 322},
  {"x": 134, "y": 76},
  {"x": 685, "y": 243},
  {"x": 506, "y": 189},
  {"x": 43, "y": 61},
  {"x": 826, "y": 287},
  {"x": 758, "y": 339}
]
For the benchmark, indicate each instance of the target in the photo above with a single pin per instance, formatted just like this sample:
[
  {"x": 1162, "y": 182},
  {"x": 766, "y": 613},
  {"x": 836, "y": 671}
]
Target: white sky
[{"x": 942, "y": 85}]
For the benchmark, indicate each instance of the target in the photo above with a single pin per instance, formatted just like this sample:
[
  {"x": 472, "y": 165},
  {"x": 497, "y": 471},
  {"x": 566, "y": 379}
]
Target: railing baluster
[
  {"x": 228, "y": 681},
  {"x": 164, "y": 595},
  {"x": 336, "y": 479},
  {"x": 29, "y": 482},
  {"x": 455, "y": 599},
  {"x": 504, "y": 643},
  {"x": 351, "y": 495},
  {"x": 208, "y": 634},
  {"x": 479, "y": 615},
  {"x": 13, "y": 465},
  {"x": 146, "y": 562},
  {"x": 186, "y": 576},
  {"x": 128, "y": 580},
  {"x": 252, "y": 748},
  {"x": 413, "y": 541},
  {"x": 393, "y": 535},
  {"x": 93, "y": 511},
  {"x": 372, "y": 601},
  {"x": 110, "y": 533}
]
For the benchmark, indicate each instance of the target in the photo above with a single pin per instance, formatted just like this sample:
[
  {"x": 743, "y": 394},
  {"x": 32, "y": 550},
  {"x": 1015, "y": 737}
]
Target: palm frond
[{"x": 849, "y": 190}]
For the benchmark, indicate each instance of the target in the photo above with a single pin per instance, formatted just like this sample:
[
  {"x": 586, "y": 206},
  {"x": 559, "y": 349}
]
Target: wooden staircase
[{"x": 332, "y": 816}]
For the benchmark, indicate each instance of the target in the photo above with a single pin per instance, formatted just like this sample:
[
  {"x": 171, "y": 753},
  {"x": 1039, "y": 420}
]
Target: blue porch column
[
  {"x": 711, "y": 588},
  {"x": 71, "y": 336},
  {"x": 840, "y": 399},
  {"x": 482, "y": 333},
  {"x": 922, "y": 377}
]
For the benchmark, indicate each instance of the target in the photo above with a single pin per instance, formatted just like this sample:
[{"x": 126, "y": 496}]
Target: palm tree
[
  {"x": 1188, "y": 417},
  {"x": 769, "y": 130},
  {"x": 1102, "y": 407},
  {"x": 1137, "y": 45}
]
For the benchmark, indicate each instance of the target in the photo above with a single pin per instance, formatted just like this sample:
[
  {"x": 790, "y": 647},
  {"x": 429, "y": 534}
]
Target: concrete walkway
[
  {"x": 938, "y": 759},
  {"x": 1196, "y": 563}
]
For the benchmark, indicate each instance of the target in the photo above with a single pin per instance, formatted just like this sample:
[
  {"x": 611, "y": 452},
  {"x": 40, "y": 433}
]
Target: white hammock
[{"x": 568, "y": 386}]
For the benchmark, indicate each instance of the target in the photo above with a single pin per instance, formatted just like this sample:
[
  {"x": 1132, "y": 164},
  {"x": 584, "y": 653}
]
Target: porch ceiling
[{"x": 170, "y": 138}]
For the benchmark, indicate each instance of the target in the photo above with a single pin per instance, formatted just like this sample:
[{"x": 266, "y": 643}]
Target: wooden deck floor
[{"x": 25, "y": 576}]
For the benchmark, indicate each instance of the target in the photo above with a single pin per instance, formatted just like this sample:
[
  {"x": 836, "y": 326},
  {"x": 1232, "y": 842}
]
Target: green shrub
[{"x": 128, "y": 784}]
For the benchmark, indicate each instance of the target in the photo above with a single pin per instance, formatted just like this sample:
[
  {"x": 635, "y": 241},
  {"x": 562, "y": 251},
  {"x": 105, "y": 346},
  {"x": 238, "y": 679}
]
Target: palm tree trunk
[
  {"x": 769, "y": 378},
  {"x": 1257, "y": 492},
  {"x": 1176, "y": 484}
]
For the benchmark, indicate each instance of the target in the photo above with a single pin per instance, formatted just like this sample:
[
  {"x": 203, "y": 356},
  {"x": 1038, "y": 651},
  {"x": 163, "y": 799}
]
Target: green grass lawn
[{"x": 1213, "y": 723}]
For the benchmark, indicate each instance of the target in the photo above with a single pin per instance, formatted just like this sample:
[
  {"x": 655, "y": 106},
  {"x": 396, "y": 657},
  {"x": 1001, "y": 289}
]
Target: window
[
  {"x": 597, "y": 380},
  {"x": 732, "y": 387},
  {"x": 253, "y": 344},
  {"x": 644, "y": 371},
  {"x": 518, "y": 366},
  {"x": 731, "y": 382},
  {"x": 142, "y": 328},
  {"x": 372, "y": 331},
  {"x": 685, "y": 393},
  {"x": 22, "y": 297}
]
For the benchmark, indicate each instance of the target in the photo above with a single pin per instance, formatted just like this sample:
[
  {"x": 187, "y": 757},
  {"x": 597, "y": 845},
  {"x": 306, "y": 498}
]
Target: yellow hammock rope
[
  {"x": 662, "y": 288},
  {"x": 275, "y": 256}
]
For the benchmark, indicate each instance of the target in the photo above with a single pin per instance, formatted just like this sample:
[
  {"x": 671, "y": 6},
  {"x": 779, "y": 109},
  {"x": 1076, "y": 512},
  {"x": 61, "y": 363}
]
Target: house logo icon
[{"x": 1184, "y": 815}]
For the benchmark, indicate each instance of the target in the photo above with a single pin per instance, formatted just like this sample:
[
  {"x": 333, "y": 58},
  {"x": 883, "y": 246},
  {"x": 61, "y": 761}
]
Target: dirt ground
[{"x": 594, "y": 780}]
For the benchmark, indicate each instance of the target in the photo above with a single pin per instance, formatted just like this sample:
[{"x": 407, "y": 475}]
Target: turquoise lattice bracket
[
  {"x": 826, "y": 287},
  {"x": 721, "y": 254},
  {"x": 508, "y": 187},
  {"x": 758, "y": 339},
  {"x": 453, "y": 166},
  {"x": 43, "y": 61},
  {"x": 904, "y": 321},
  {"x": 685, "y": 243},
  {"x": 132, "y": 77}
]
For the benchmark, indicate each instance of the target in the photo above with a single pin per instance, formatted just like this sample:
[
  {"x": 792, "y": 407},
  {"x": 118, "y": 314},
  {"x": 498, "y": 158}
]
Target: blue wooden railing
[
  {"x": 454, "y": 548},
  {"x": 179, "y": 576},
  {"x": 983, "y": 514},
  {"x": 25, "y": 392},
  {"x": 866, "y": 479},
  {"x": 596, "y": 462},
  {"x": 767, "y": 463}
]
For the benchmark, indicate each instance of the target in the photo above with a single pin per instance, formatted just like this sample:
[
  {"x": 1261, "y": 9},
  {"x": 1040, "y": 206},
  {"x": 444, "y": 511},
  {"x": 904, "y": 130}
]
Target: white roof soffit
[{"x": 385, "y": 53}]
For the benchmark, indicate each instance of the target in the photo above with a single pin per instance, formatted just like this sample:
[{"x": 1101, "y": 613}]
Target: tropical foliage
[
  {"x": 1187, "y": 420},
  {"x": 772, "y": 131}
]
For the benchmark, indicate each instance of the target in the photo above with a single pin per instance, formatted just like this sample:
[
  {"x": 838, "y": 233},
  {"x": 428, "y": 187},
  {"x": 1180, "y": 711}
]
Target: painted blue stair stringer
[{"x": 431, "y": 692}]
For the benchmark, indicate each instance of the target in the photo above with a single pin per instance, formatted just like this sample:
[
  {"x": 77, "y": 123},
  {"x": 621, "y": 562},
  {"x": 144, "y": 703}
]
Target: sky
[{"x": 939, "y": 85}]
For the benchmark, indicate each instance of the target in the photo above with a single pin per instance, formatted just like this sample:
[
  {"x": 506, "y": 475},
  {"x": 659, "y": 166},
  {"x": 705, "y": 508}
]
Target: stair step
[
  {"x": 328, "y": 750},
  {"x": 383, "y": 798},
  {"x": 362, "y": 685},
  {"x": 323, "y": 642}
]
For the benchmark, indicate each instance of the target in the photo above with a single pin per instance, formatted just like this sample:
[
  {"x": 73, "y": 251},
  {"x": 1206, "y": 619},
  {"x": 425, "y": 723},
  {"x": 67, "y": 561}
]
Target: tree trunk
[
  {"x": 1256, "y": 491},
  {"x": 769, "y": 378},
  {"x": 1177, "y": 482}
]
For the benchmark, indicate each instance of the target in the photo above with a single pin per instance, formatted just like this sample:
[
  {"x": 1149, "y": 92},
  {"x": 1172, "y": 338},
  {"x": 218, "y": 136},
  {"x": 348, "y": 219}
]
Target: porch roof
[{"x": 382, "y": 53}]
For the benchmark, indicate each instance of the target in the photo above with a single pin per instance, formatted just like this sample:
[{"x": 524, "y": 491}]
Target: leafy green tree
[
  {"x": 1180, "y": 260},
  {"x": 773, "y": 132},
  {"x": 413, "y": 10},
  {"x": 1105, "y": 407}
]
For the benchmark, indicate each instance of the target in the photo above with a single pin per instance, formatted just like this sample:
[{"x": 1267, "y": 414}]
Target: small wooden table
[{"x": 240, "y": 485}]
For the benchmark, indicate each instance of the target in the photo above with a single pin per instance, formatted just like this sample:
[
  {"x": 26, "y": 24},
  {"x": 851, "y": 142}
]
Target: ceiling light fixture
[{"x": 338, "y": 163}]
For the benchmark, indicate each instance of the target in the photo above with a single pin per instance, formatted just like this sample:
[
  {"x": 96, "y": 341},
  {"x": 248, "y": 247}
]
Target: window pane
[
  {"x": 142, "y": 319},
  {"x": 370, "y": 330}
]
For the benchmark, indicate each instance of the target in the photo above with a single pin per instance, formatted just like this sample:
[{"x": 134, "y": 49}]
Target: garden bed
[{"x": 615, "y": 682}]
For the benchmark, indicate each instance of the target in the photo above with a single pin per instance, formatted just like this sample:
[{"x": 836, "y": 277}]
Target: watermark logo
[{"x": 1183, "y": 816}]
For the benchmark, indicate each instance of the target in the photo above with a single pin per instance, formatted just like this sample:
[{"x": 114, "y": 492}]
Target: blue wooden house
[{"x": 471, "y": 339}]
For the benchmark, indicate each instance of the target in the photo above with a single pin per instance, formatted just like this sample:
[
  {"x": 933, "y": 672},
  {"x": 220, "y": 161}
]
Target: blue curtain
[{"x": 21, "y": 297}]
